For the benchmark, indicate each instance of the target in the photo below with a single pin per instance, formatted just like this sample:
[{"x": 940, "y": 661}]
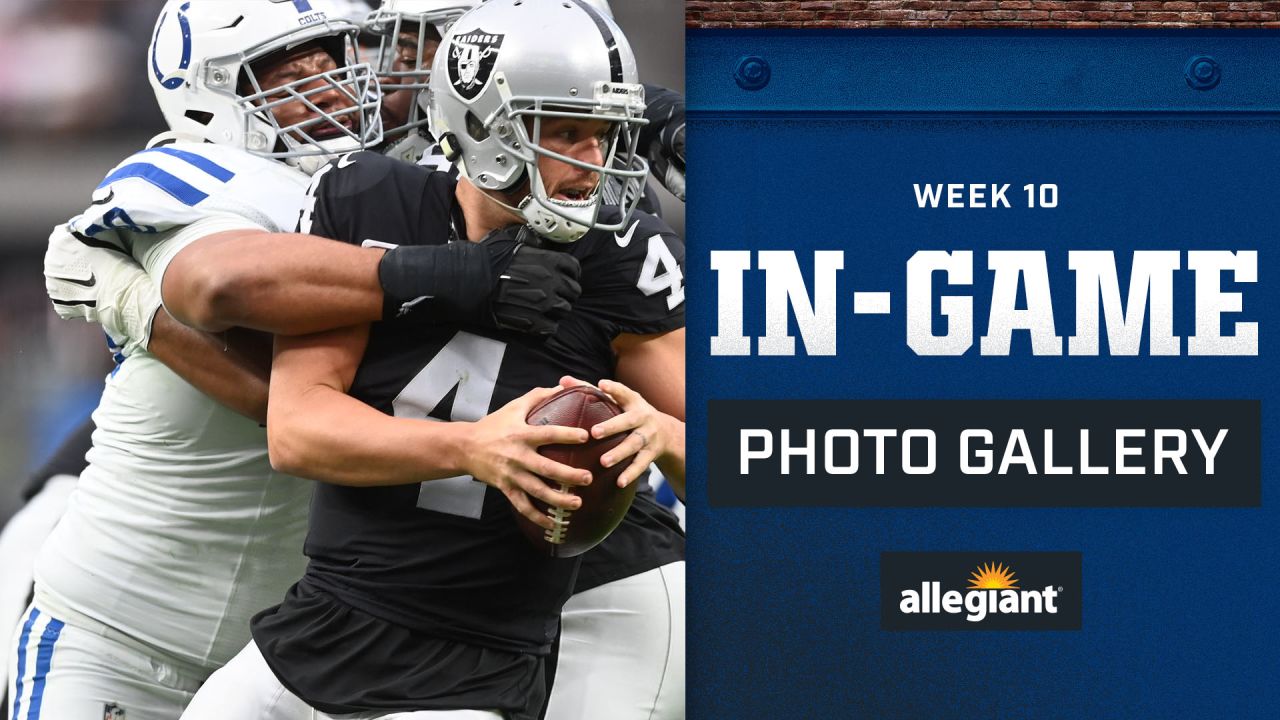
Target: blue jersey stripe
[
  {"x": 44, "y": 658},
  {"x": 204, "y": 163},
  {"x": 181, "y": 191},
  {"x": 22, "y": 660}
]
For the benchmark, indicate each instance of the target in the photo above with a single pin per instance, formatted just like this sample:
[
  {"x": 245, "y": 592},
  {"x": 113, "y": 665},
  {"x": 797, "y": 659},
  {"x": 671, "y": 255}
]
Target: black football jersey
[{"x": 445, "y": 558}]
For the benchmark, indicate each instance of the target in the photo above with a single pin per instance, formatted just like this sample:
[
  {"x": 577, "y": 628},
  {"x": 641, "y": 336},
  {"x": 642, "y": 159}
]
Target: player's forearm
[
  {"x": 286, "y": 284},
  {"x": 323, "y": 434},
  {"x": 232, "y": 373}
]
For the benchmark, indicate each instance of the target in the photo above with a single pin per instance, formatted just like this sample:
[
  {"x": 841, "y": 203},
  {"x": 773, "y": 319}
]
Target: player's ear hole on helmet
[
  {"x": 476, "y": 128},
  {"x": 200, "y": 116}
]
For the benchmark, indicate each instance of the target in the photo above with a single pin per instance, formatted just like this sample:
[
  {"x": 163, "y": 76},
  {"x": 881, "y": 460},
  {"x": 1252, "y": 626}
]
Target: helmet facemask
[
  {"x": 521, "y": 119},
  {"x": 349, "y": 122}
]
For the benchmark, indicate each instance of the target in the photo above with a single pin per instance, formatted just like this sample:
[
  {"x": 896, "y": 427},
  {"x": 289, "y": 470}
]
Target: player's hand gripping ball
[{"x": 603, "y": 502}]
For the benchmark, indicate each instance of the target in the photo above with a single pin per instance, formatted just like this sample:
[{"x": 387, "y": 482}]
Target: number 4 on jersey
[
  {"x": 670, "y": 279},
  {"x": 469, "y": 363}
]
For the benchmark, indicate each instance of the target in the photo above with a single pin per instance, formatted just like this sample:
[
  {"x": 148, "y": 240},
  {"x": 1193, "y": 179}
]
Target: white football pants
[
  {"x": 622, "y": 650},
  {"x": 247, "y": 689},
  {"x": 61, "y": 671}
]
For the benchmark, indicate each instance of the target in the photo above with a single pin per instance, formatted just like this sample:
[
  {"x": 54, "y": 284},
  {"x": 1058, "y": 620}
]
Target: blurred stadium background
[{"x": 74, "y": 101}]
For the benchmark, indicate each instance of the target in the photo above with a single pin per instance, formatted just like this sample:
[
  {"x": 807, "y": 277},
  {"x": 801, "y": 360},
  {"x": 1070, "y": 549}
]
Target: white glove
[{"x": 101, "y": 286}]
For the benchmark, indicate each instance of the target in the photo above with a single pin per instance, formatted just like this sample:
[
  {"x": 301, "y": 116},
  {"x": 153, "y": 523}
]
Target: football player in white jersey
[
  {"x": 179, "y": 529},
  {"x": 178, "y": 526}
]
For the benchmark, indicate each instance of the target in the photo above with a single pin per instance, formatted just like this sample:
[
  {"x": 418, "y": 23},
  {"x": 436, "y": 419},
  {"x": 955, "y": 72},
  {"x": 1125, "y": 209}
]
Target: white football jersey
[{"x": 179, "y": 530}]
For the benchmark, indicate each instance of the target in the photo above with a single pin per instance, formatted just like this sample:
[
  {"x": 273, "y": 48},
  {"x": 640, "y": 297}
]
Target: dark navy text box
[{"x": 1236, "y": 461}]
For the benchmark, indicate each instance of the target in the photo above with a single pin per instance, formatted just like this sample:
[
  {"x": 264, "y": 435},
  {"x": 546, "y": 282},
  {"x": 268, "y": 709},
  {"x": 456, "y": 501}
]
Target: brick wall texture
[{"x": 976, "y": 13}]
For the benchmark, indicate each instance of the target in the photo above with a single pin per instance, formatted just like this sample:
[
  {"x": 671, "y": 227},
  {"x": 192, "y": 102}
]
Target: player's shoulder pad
[
  {"x": 638, "y": 271},
  {"x": 631, "y": 241},
  {"x": 169, "y": 186},
  {"x": 366, "y": 188},
  {"x": 362, "y": 174}
]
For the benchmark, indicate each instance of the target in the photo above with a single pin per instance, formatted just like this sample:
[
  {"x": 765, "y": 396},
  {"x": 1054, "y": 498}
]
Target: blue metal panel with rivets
[
  {"x": 812, "y": 140},
  {"x": 936, "y": 72}
]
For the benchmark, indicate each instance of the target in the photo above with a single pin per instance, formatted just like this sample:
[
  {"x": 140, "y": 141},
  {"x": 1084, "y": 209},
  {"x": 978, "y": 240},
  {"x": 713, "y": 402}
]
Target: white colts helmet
[
  {"x": 508, "y": 65},
  {"x": 200, "y": 67},
  {"x": 399, "y": 65}
]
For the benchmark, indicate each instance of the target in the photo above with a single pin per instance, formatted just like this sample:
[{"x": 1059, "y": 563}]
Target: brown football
[{"x": 603, "y": 502}]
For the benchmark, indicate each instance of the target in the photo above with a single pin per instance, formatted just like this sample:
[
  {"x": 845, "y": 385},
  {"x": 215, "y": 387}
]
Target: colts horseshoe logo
[{"x": 175, "y": 79}]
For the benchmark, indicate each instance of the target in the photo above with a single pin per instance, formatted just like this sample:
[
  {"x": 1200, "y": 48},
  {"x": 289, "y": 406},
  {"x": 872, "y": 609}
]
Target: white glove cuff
[{"x": 136, "y": 314}]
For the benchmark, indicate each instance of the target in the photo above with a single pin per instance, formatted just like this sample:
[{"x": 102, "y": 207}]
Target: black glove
[
  {"x": 663, "y": 138},
  {"x": 501, "y": 282},
  {"x": 536, "y": 287}
]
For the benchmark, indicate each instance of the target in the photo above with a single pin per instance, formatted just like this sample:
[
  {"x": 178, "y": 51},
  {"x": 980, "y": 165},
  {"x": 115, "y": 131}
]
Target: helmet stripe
[{"x": 610, "y": 42}]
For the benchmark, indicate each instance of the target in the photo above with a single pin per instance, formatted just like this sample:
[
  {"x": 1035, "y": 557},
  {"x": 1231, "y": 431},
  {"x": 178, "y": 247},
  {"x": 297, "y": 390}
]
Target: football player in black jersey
[
  {"x": 424, "y": 599},
  {"x": 621, "y": 649},
  {"x": 620, "y": 653}
]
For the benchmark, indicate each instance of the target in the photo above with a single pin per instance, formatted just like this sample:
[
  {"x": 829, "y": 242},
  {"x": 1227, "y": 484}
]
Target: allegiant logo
[
  {"x": 931, "y": 591},
  {"x": 993, "y": 589}
]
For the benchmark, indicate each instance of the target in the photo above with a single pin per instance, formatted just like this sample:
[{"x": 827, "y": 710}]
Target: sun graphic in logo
[{"x": 993, "y": 577}]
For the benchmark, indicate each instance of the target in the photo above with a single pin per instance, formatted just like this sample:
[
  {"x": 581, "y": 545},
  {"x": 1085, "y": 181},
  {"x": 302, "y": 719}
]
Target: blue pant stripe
[
  {"x": 22, "y": 660},
  {"x": 44, "y": 658},
  {"x": 210, "y": 167}
]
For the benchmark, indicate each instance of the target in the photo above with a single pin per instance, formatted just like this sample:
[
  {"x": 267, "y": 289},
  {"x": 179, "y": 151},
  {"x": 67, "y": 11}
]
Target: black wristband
[{"x": 449, "y": 283}]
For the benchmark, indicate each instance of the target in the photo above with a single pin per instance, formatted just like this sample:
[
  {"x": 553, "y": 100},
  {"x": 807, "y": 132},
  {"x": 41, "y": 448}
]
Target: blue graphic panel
[{"x": 812, "y": 141}]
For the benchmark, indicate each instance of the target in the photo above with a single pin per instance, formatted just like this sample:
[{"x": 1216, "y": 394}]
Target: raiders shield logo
[
  {"x": 112, "y": 711},
  {"x": 471, "y": 61}
]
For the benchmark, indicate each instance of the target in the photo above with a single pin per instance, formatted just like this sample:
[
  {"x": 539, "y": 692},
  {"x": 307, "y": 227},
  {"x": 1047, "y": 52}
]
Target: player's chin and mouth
[
  {"x": 581, "y": 195},
  {"x": 340, "y": 127}
]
